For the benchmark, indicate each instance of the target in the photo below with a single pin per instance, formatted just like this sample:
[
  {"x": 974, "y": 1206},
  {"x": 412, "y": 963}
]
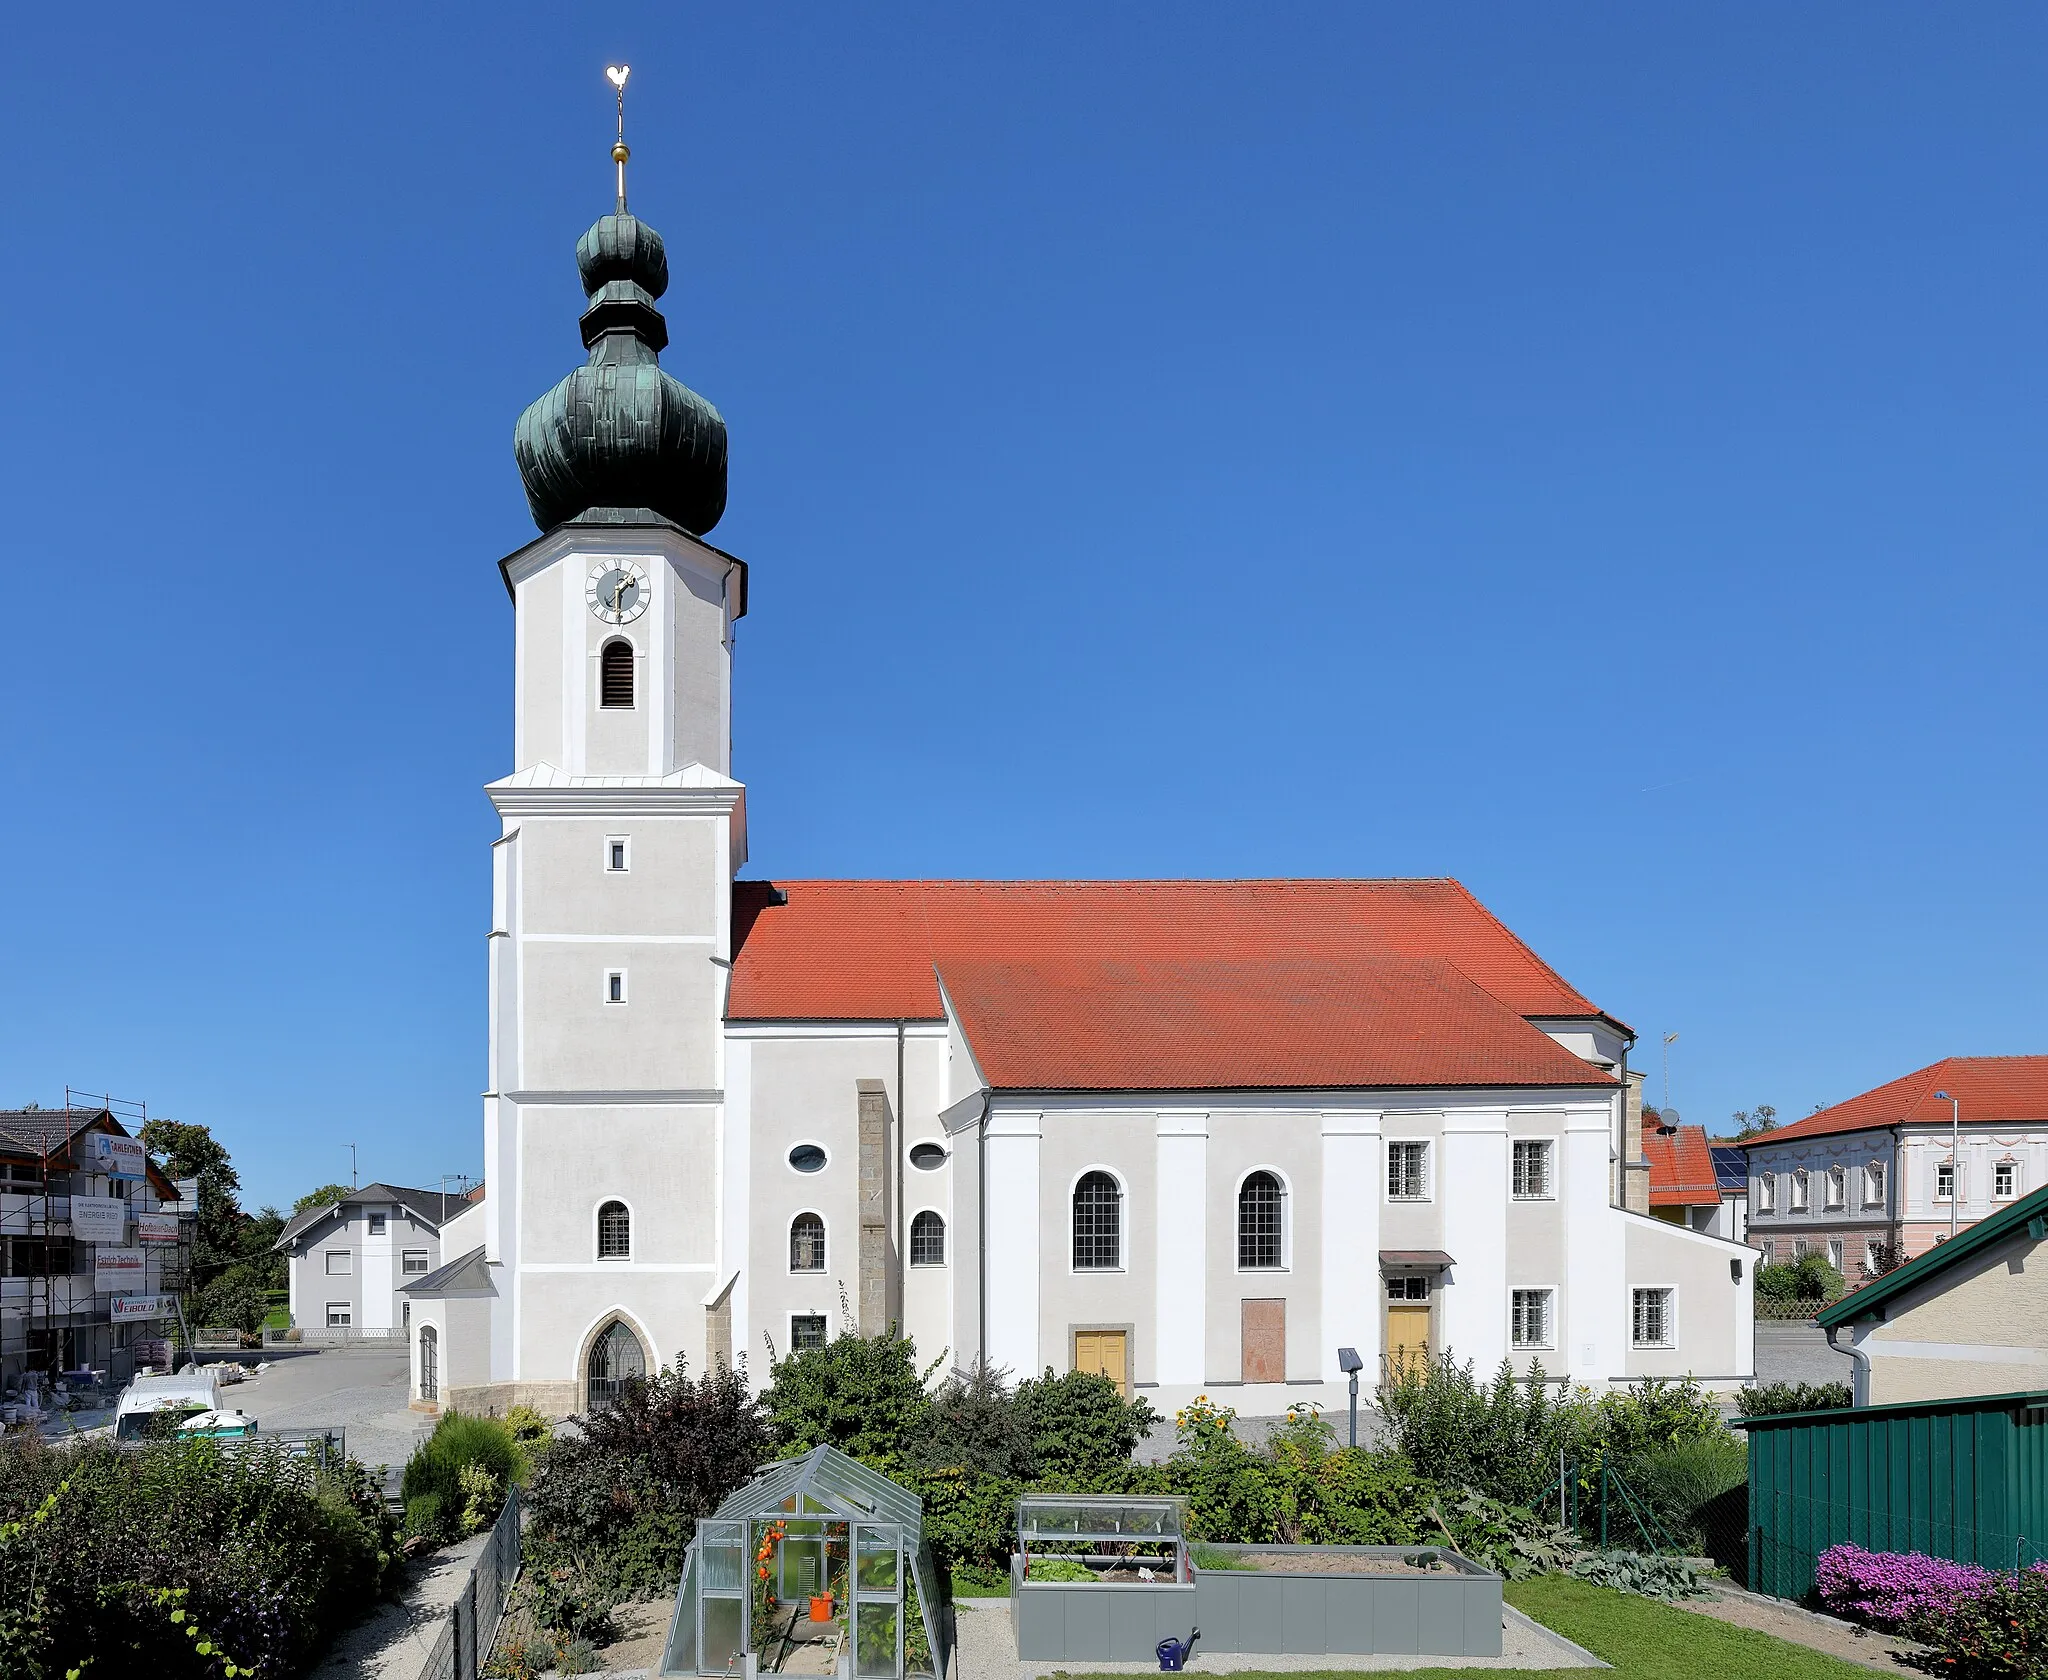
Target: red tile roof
[
  {"x": 1681, "y": 1167},
  {"x": 1185, "y": 985},
  {"x": 1987, "y": 1087}
]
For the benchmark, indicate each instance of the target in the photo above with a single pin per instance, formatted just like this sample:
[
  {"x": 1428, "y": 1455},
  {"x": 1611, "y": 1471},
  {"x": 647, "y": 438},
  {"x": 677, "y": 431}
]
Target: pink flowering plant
[
  {"x": 1887, "y": 1587},
  {"x": 1983, "y": 1624}
]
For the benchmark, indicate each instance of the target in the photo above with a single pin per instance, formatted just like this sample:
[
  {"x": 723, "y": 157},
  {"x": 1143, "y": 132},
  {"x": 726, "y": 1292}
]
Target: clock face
[{"x": 618, "y": 591}]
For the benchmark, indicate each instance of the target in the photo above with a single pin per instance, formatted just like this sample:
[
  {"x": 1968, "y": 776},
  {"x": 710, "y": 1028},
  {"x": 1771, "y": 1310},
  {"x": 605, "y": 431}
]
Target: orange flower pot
[{"x": 821, "y": 1607}]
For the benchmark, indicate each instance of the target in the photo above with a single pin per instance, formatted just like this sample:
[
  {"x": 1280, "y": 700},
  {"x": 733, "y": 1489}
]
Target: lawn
[{"x": 1644, "y": 1640}]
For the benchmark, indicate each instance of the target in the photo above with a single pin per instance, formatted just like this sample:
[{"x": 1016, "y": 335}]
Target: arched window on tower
[
  {"x": 927, "y": 1240},
  {"x": 1098, "y": 1223},
  {"x": 616, "y": 1357},
  {"x": 614, "y": 1232},
  {"x": 807, "y": 1243},
  {"x": 615, "y": 675},
  {"x": 1261, "y": 1206}
]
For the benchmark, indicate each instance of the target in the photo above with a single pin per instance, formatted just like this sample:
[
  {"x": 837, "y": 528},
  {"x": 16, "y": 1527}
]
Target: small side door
[{"x": 1106, "y": 1353}]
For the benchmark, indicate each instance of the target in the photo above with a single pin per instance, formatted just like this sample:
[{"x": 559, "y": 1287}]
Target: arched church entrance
[{"x": 615, "y": 1357}]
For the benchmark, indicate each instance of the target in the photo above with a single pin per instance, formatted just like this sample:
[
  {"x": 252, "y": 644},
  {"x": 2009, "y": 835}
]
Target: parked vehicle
[
  {"x": 219, "y": 1426},
  {"x": 152, "y": 1406}
]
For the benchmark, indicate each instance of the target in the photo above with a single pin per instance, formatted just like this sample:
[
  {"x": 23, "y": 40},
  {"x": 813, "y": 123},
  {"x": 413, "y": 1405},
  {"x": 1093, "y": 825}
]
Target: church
[{"x": 1223, "y": 1137}]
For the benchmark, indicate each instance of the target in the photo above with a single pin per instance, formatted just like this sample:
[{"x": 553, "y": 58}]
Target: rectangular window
[
  {"x": 1838, "y": 1180},
  {"x": 1835, "y": 1252},
  {"x": 1873, "y": 1184},
  {"x": 338, "y": 1262},
  {"x": 1799, "y": 1181},
  {"x": 616, "y": 854},
  {"x": 339, "y": 1315},
  {"x": 1767, "y": 1193},
  {"x": 413, "y": 1262},
  {"x": 615, "y": 985},
  {"x": 1529, "y": 1318},
  {"x": 1769, "y": 1250},
  {"x": 806, "y": 1330},
  {"x": 1798, "y": 1249},
  {"x": 1873, "y": 1256},
  {"x": 1652, "y": 1318},
  {"x": 1407, "y": 1289},
  {"x": 2005, "y": 1179},
  {"x": 377, "y": 1224},
  {"x": 1532, "y": 1169},
  {"x": 1407, "y": 1171},
  {"x": 1944, "y": 1181}
]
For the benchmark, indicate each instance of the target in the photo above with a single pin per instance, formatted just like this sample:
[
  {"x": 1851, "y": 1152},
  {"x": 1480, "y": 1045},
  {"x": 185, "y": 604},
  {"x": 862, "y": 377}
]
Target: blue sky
[{"x": 1592, "y": 451}]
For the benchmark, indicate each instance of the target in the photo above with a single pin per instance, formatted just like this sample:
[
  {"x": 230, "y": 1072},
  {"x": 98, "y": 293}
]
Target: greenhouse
[
  {"x": 818, "y": 1566},
  {"x": 1135, "y": 1538}
]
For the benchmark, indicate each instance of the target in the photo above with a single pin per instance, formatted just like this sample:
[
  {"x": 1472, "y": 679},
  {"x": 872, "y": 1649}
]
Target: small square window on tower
[
  {"x": 615, "y": 985},
  {"x": 618, "y": 854}
]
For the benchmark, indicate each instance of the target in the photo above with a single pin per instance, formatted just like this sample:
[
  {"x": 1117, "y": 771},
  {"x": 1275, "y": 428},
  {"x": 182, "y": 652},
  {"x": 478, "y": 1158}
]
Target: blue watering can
[{"x": 1174, "y": 1653}]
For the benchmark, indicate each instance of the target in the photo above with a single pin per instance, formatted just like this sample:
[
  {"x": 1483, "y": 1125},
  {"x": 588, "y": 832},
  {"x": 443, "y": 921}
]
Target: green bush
[
  {"x": 467, "y": 1464},
  {"x": 862, "y": 1394},
  {"x": 1770, "y": 1399},
  {"x": 1640, "y": 1572},
  {"x": 1503, "y": 1438},
  {"x": 1685, "y": 1486},
  {"x": 1081, "y": 1426},
  {"x": 1654, "y": 1414},
  {"x": 974, "y": 1422},
  {"x": 108, "y": 1557},
  {"x": 970, "y": 1517},
  {"x": 1997, "y": 1633},
  {"x": 1513, "y": 1541},
  {"x": 1809, "y": 1278}
]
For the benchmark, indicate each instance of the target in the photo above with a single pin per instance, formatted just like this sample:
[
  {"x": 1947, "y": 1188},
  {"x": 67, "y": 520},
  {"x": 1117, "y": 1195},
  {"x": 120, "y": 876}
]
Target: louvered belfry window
[{"x": 615, "y": 675}]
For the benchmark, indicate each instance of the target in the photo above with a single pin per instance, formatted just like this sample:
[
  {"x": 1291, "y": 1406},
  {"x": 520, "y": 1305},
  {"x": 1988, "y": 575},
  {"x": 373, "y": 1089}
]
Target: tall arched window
[
  {"x": 927, "y": 1240},
  {"x": 807, "y": 1243},
  {"x": 1098, "y": 1224},
  {"x": 615, "y": 675},
  {"x": 1260, "y": 1207},
  {"x": 614, "y": 1232},
  {"x": 615, "y": 1360},
  {"x": 430, "y": 1363}
]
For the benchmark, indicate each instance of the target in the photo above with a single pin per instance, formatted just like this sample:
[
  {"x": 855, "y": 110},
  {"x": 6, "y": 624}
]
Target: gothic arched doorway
[
  {"x": 615, "y": 1357},
  {"x": 430, "y": 1363}
]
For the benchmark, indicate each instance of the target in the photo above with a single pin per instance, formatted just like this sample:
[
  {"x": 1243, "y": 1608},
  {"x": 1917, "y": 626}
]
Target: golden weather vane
[{"x": 616, "y": 74}]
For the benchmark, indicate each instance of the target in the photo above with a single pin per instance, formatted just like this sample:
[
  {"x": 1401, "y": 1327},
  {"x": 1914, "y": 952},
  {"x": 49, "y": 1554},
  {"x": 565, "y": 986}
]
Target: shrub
[
  {"x": 1686, "y": 1485},
  {"x": 862, "y": 1394},
  {"x": 1998, "y": 1631},
  {"x": 1513, "y": 1541},
  {"x": 970, "y": 1517},
  {"x": 1809, "y": 1278},
  {"x": 1769, "y": 1399},
  {"x": 612, "y": 1508},
  {"x": 447, "y": 1464},
  {"x": 108, "y": 1557},
  {"x": 1504, "y": 1439},
  {"x": 1889, "y": 1588},
  {"x": 1655, "y": 1414},
  {"x": 528, "y": 1427},
  {"x": 1082, "y": 1428},
  {"x": 1640, "y": 1572}
]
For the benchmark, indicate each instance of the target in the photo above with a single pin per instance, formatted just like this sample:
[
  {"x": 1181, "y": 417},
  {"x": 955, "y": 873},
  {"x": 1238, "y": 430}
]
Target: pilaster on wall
[
  {"x": 1012, "y": 1259},
  {"x": 1472, "y": 1191},
  {"x": 1634, "y": 1168},
  {"x": 1594, "y": 1321},
  {"x": 873, "y": 1097},
  {"x": 1181, "y": 1312},
  {"x": 1352, "y": 1291}
]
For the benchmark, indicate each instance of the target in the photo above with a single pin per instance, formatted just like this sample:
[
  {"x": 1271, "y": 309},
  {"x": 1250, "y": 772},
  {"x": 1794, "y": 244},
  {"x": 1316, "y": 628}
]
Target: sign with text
[
  {"x": 157, "y": 1227},
  {"x": 116, "y": 1269},
  {"x": 129, "y": 1307},
  {"x": 117, "y": 1157},
  {"x": 99, "y": 1219}
]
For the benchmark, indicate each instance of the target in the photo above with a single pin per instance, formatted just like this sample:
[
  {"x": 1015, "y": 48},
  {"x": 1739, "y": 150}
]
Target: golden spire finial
[{"x": 616, "y": 74}]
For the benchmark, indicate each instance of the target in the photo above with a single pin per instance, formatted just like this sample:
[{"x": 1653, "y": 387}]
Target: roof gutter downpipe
[
  {"x": 981, "y": 1234},
  {"x": 1859, "y": 1368}
]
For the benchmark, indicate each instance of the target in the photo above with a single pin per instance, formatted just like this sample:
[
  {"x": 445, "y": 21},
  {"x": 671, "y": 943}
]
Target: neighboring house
[
  {"x": 1969, "y": 1317},
  {"x": 1197, "y": 1135},
  {"x": 349, "y": 1261},
  {"x": 1731, "y": 1178},
  {"x": 1879, "y": 1172},
  {"x": 1683, "y": 1188},
  {"x": 93, "y": 1243}
]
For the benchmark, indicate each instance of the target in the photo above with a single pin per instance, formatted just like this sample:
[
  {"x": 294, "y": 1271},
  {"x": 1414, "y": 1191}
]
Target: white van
[{"x": 173, "y": 1399}]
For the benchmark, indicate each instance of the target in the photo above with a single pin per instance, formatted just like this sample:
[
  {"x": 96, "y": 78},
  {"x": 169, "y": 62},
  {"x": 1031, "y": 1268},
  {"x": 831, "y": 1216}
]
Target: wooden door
[
  {"x": 1262, "y": 1342},
  {"x": 1407, "y": 1335},
  {"x": 1105, "y": 1353}
]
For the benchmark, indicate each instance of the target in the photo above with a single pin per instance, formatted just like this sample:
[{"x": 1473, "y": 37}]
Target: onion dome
[{"x": 620, "y": 433}]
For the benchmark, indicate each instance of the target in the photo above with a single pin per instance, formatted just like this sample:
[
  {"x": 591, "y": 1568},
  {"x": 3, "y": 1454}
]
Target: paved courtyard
[{"x": 359, "y": 1386}]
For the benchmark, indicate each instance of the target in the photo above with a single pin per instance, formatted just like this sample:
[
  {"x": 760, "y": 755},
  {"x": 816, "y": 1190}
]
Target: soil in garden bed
[{"x": 1339, "y": 1563}]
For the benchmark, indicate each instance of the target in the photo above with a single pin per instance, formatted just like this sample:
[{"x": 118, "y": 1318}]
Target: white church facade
[{"x": 1197, "y": 1135}]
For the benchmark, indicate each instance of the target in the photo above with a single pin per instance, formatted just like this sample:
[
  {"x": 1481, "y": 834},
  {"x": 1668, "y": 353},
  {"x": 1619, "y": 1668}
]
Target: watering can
[{"x": 1174, "y": 1653}]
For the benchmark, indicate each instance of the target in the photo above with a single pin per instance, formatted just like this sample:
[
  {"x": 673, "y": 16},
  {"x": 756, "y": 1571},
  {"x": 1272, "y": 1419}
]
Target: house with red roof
[
  {"x": 1684, "y": 1187},
  {"x": 1194, "y": 1135},
  {"x": 1891, "y": 1173}
]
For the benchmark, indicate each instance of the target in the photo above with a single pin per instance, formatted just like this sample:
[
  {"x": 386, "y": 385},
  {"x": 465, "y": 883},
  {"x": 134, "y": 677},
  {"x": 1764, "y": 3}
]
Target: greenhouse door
[
  {"x": 877, "y": 1604},
  {"x": 722, "y": 1597}
]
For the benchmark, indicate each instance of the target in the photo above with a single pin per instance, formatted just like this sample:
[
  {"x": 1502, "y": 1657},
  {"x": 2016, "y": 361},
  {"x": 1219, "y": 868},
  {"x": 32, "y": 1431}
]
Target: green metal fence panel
[{"x": 1962, "y": 1479}]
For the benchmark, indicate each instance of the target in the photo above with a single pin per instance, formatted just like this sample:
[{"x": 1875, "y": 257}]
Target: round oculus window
[
  {"x": 807, "y": 1158},
  {"x": 926, "y": 1156}
]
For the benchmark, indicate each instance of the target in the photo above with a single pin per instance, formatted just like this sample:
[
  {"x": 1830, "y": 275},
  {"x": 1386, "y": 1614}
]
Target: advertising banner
[
  {"x": 99, "y": 1219},
  {"x": 116, "y": 1269},
  {"x": 157, "y": 1227},
  {"x": 118, "y": 1157},
  {"x": 128, "y": 1307}
]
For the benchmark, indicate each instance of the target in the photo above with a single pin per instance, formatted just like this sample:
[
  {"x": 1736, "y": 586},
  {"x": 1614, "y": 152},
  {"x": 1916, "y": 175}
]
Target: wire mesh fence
[
  {"x": 1598, "y": 1502},
  {"x": 465, "y": 1642}
]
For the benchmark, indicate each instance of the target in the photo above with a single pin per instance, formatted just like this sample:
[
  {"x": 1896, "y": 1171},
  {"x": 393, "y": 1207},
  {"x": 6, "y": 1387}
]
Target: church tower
[{"x": 611, "y": 905}]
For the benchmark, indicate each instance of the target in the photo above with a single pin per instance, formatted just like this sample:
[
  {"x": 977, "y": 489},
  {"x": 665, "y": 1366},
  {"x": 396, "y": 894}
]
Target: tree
[
  {"x": 229, "y": 1247},
  {"x": 1754, "y": 1122},
  {"x": 326, "y": 1196},
  {"x": 862, "y": 1394},
  {"x": 1883, "y": 1257},
  {"x": 1081, "y": 1425}
]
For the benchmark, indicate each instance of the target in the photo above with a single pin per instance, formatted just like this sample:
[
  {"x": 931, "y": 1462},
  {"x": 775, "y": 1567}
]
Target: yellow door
[
  {"x": 1102, "y": 1351},
  {"x": 1407, "y": 1336}
]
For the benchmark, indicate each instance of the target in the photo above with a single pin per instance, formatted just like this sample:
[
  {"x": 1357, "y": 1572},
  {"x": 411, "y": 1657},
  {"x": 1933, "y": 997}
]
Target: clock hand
[{"x": 619, "y": 593}]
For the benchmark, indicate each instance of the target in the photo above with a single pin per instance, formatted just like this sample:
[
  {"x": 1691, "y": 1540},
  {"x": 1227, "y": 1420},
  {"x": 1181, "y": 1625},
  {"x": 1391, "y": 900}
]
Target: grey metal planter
[{"x": 1453, "y": 1613}]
